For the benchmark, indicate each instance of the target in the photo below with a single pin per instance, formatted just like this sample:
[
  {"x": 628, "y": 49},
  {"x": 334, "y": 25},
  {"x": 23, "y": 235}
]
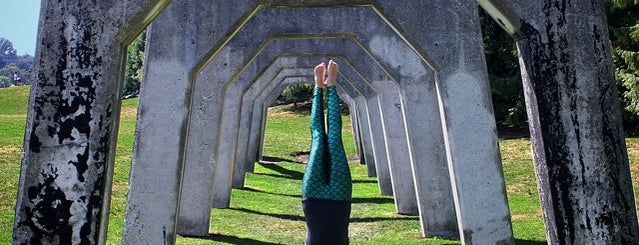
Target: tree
[
  {"x": 503, "y": 71},
  {"x": 298, "y": 92},
  {"x": 134, "y": 65},
  {"x": 623, "y": 21},
  {"x": 5, "y": 81},
  {"x": 9, "y": 69},
  {"x": 7, "y": 52}
]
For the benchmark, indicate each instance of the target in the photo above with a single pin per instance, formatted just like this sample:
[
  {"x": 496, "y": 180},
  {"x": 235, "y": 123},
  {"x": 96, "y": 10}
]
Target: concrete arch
[
  {"x": 408, "y": 74},
  {"x": 253, "y": 146},
  {"x": 403, "y": 187},
  {"x": 190, "y": 221},
  {"x": 247, "y": 132},
  {"x": 70, "y": 136},
  {"x": 209, "y": 75},
  {"x": 447, "y": 29}
]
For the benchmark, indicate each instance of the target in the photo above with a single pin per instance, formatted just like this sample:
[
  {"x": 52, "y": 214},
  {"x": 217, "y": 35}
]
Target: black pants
[{"x": 327, "y": 221}]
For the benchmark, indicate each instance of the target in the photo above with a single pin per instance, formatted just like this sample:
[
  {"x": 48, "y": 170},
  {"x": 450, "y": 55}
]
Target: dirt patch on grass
[
  {"x": 129, "y": 112},
  {"x": 526, "y": 216},
  {"x": 301, "y": 156},
  {"x": 10, "y": 149}
]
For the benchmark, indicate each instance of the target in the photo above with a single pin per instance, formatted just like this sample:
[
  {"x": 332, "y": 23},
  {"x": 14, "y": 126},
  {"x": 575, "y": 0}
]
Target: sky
[{"x": 19, "y": 24}]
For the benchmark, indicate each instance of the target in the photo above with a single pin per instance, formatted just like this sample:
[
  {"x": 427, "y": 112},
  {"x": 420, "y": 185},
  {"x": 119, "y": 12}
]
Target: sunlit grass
[{"x": 268, "y": 209}]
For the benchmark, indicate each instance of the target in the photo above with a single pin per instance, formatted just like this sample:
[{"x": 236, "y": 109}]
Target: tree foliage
[
  {"x": 298, "y": 92},
  {"x": 11, "y": 63},
  {"x": 503, "y": 72},
  {"x": 623, "y": 22},
  {"x": 134, "y": 65},
  {"x": 7, "y": 52}
]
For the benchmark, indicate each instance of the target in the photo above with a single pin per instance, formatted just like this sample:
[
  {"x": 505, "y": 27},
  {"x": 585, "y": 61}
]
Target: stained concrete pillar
[
  {"x": 160, "y": 149},
  {"x": 451, "y": 44},
  {"x": 578, "y": 146},
  {"x": 67, "y": 167},
  {"x": 397, "y": 147},
  {"x": 382, "y": 166},
  {"x": 161, "y": 130}
]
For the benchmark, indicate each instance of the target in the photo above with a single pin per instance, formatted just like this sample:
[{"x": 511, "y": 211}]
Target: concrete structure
[
  {"x": 575, "y": 120},
  {"x": 423, "y": 51},
  {"x": 257, "y": 115},
  {"x": 67, "y": 166}
]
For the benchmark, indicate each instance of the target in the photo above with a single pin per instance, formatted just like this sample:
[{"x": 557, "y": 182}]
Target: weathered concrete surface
[
  {"x": 382, "y": 167},
  {"x": 452, "y": 45},
  {"x": 161, "y": 131},
  {"x": 580, "y": 154},
  {"x": 426, "y": 144},
  {"x": 70, "y": 135},
  {"x": 397, "y": 147},
  {"x": 65, "y": 180},
  {"x": 173, "y": 70}
]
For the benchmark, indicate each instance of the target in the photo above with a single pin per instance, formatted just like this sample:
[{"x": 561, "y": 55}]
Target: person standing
[{"x": 16, "y": 79}]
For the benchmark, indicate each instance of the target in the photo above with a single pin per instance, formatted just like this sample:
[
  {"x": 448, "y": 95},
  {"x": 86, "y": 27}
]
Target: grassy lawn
[{"x": 268, "y": 209}]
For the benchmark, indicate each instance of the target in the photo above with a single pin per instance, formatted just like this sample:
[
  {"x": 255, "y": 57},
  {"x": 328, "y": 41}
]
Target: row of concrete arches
[{"x": 418, "y": 77}]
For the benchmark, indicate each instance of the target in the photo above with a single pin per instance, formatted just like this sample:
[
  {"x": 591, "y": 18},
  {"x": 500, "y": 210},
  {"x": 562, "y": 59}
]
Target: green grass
[{"x": 268, "y": 210}]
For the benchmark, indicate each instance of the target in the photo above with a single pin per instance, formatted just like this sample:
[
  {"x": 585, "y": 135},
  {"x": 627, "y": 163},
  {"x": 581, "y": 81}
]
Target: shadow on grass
[
  {"x": 377, "y": 219},
  {"x": 278, "y": 176},
  {"x": 286, "y": 172},
  {"x": 301, "y": 218},
  {"x": 364, "y": 181},
  {"x": 505, "y": 131},
  {"x": 231, "y": 239},
  {"x": 279, "y": 216},
  {"x": 274, "y": 160},
  {"x": 270, "y": 193},
  {"x": 376, "y": 200},
  {"x": 529, "y": 242}
]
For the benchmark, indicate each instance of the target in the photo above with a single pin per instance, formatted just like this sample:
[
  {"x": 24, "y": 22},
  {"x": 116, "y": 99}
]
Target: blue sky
[{"x": 19, "y": 24}]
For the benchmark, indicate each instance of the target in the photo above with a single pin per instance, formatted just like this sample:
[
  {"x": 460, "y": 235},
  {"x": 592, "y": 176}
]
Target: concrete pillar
[
  {"x": 241, "y": 165},
  {"x": 173, "y": 56},
  {"x": 451, "y": 45},
  {"x": 397, "y": 147},
  {"x": 67, "y": 167},
  {"x": 580, "y": 154},
  {"x": 161, "y": 133},
  {"x": 352, "y": 109},
  {"x": 382, "y": 165}
]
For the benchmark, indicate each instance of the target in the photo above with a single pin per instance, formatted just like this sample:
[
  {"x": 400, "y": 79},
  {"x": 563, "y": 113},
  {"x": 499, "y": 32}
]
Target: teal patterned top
[{"x": 327, "y": 174}]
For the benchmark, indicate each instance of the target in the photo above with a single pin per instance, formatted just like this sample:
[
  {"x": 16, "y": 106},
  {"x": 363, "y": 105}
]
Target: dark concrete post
[
  {"x": 575, "y": 120},
  {"x": 66, "y": 173}
]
